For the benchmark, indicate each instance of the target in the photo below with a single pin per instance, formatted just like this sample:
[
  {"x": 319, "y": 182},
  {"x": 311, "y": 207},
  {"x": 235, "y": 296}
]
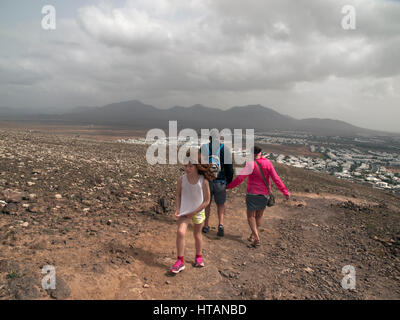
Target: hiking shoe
[
  {"x": 178, "y": 267},
  {"x": 220, "y": 232},
  {"x": 205, "y": 229},
  {"x": 199, "y": 262}
]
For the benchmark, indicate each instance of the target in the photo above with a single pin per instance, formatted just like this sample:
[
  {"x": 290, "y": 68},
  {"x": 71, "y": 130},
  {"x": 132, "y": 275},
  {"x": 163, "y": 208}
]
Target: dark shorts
[
  {"x": 218, "y": 190},
  {"x": 256, "y": 201}
]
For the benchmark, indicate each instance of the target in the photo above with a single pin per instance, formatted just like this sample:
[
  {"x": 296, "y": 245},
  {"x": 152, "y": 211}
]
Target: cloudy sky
[{"x": 292, "y": 56}]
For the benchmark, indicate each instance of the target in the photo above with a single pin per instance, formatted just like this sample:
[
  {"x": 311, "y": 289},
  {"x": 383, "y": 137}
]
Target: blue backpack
[{"x": 215, "y": 161}]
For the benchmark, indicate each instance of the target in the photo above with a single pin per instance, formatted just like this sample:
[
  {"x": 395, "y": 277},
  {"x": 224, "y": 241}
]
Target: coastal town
[
  {"x": 350, "y": 165},
  {"x": 370, "y": 161},
  {"x": 354, "y": 159}
]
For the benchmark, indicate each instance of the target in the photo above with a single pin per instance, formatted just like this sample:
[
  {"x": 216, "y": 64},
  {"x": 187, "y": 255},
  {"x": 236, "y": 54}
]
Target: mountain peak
[{"x": 255, "y": 116}]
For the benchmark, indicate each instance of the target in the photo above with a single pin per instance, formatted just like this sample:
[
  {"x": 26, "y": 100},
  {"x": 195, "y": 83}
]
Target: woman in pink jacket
[{"x": 257, "y": 192}]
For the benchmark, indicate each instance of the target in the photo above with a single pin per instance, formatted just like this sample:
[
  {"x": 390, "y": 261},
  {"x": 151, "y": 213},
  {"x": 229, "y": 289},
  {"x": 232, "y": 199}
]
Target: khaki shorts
[{"x": 199, "y": 218}]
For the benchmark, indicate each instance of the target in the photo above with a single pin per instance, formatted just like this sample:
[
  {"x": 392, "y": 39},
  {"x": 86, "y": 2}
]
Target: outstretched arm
[
  {"x": 246, "y": 171},
  {"x": 278, "y": 182}
]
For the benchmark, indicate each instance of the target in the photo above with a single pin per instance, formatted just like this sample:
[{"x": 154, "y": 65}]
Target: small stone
[
  {"x": 309, "y": 270},
  {"x": 146, "y": 285},
  {"x": 12, "y": 196},
  {"x": 109, "y": 222},
  {"x": 23, "y": 288},
  {"x": 58, "y": 196},
  {"x": 25, "y": 224},
  {"x": 39, "y": 245},
  {"x": 37, "y": 209},
  {"x": 30, "y": 183},
  {"x": 10, "y": 208},
  {"x": 224, "y": 274},
  {"x": 62, "y": 290}
]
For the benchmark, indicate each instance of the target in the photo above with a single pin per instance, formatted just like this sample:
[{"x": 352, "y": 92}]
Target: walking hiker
[
  {"x": 258, "y": 190},
  {"x": 220, "y": 155},
  {"x": 193, "y": 195}
]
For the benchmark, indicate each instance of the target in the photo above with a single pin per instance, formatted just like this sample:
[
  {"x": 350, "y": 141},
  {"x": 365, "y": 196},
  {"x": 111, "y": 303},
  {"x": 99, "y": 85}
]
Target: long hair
[{"x": 203, "y": 168}]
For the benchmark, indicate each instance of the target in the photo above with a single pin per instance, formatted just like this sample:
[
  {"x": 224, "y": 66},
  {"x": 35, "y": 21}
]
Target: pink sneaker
[
  {"x": 178, "y": 267},
  {"x": 199, "y": 262}
]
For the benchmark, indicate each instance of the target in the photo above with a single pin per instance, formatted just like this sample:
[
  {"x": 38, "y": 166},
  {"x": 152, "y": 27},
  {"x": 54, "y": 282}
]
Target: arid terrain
[{"x": 75, "y": 199}]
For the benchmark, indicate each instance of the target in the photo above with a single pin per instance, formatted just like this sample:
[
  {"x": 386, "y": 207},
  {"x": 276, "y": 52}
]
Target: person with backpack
[
  {"x": 258, "y": 190},
  {"x": 219, "y": 156}
]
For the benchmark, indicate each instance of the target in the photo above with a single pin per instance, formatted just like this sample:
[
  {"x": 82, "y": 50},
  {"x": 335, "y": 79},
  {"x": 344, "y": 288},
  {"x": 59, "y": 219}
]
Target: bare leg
[
  {"x": 198, "y": 238},
  {"x": 251, "y": 219},
  {"x": 221, "y": 213},
  {"x": 180, "y": 236},
  {"x": 259, "y": 215},
  {"x": 208, "y": 212}
]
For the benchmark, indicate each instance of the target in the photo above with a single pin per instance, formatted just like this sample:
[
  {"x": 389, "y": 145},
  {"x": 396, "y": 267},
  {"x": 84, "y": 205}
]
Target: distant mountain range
[
  {"x": 5, "y": 111},
  {"x": 139, "y": 115}
]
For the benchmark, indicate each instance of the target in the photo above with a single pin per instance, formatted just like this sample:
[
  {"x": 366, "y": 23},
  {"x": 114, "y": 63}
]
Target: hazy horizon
[{"x": 294, "y": 58}]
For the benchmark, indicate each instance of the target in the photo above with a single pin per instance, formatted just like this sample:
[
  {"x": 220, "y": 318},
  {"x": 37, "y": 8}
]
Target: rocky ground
[{"x": 103, "y": 217}]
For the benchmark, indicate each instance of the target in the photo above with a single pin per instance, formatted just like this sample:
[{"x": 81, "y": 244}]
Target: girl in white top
[{"x": 193, "y": 196}]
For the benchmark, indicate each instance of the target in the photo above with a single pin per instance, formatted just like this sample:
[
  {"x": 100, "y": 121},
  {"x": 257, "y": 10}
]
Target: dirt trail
[
  {"x": 154, "y": 253},
  {"x": 295, "y": 260}
]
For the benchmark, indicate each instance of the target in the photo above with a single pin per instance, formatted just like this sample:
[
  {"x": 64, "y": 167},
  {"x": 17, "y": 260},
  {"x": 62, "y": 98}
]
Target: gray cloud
[{"x": 292, "y": 56}]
